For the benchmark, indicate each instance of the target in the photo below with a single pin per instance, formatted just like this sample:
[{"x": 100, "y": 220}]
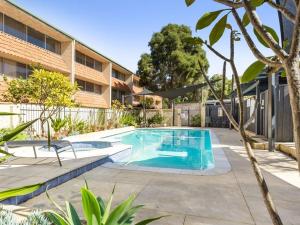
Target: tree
[
  {"x": 216, "y": 33},
  {"x": 51, "y": 91},
  {"x": 173, "y": 61},
  {"x": 218, "y": 86},
  {"x": 286, "y": 54}
]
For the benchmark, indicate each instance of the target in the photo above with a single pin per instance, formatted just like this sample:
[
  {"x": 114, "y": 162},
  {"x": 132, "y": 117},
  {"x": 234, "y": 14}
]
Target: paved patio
[{"x": 229, "y": 199}]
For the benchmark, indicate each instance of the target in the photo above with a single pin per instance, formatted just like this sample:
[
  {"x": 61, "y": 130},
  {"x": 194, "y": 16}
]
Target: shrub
[
  {"x": 196, "y": 121},
  {"x": 57, "y": 124},
  {"x": 36, "y": 218},
  {"x": 96, "y": 211},
  {"x": 128, "y": 120},
  {"x": 156, "y": 119}
]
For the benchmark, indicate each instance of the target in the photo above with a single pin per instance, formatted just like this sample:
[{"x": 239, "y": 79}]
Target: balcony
[
  {"x": 20, "y": 50},
  {"x": 86, "y": 73},
  {"x": 89, "y": 99}
]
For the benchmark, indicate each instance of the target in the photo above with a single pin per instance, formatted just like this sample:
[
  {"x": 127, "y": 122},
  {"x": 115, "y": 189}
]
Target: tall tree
[
  {"x": 285, "y": 55},
  {"x": 173, "y": 61},
  {"x": 219, "y": 86}
]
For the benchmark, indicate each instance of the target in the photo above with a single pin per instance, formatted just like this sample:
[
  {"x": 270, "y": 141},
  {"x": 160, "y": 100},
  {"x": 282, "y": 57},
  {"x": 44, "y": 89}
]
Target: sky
[{"x": 121, "y": 29}]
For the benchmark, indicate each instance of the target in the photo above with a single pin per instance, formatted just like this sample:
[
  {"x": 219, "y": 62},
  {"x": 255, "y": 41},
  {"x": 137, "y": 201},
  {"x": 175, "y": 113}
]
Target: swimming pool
[{"x": 168, "y": 148}]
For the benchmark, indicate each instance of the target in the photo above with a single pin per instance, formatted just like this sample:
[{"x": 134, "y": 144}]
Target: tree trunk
[
  {"x": 261, "y": 181},
  {"x": 293, "y": 78}
]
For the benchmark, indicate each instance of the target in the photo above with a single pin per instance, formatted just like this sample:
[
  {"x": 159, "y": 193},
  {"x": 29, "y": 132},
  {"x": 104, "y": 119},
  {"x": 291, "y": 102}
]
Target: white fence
[{"x": 110, "y": 118}]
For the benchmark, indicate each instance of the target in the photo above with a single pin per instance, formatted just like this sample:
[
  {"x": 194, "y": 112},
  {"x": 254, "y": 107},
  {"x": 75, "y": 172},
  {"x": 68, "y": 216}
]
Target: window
[
  {"x": 1, "y": 22},
  {"x": 80, "y": 58},
  {"x": 89, "y": 62},
  {"x": 14, "y": 28},
  {"x": 98, "y": 89},
  {"x": 89, "y": 86},
  {"x": 118, "y": 75},
  {"x": 14, "y": 69},
  {"x": 35, "y": 37},
  {"x": 114, "y": 94},
  {"x": 98, "y": 66},
  {"x": 81, "y": 84},
  {"x": 114, "y": 74},
  {"x": 17, "y": 29},
  {"x": 53, "y": 45}
]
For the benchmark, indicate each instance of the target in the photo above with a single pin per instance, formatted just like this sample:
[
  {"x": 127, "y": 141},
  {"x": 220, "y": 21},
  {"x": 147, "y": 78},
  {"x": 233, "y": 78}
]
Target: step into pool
[{"x": 189, "y": 149}]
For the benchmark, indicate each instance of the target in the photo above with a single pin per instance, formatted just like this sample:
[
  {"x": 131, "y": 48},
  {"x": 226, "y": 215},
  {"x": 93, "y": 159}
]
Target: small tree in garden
[
  {"x": 147, "y": 102},
  {"x": 51, "y": 91}
]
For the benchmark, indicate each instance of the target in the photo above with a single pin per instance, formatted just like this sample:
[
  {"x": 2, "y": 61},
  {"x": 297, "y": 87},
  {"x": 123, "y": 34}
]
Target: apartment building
[{"x": 26, "y": 40}]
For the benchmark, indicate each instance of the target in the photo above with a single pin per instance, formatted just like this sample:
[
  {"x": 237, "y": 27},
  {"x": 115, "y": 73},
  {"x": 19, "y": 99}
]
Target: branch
[
  {"x": 284, "y": 11},
  {"x": 251, "y": 44},
  {"x": 217, "y": 53},
  {"x": 266, "y": 36},
  {"x": 252, "y": 117},
  {"x": 295, "y": 47},
  {"x": 230, "y": 3},
  {"x": 223, "y": 80},
  {"x": 229, "y": 116}
]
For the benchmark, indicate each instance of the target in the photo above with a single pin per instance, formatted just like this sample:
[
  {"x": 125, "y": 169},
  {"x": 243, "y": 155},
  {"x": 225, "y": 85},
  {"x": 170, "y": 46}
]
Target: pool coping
[{"x": 222, "y": 165}]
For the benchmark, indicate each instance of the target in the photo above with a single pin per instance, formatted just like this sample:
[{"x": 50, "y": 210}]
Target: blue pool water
[{"x": 169, "y": 148}]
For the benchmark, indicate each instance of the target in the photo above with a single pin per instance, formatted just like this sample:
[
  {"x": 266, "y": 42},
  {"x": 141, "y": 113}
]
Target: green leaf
[
  {"x": 119, "y": 211},
  {"x": 16, "y": 131},
  {"x": 218, "y": 30},
  {"x": 245, "y": 20},
  {"x": 207, "y": 19},
  {"x": 5, "y": 153},
  {"x": 73, "y": 217},
  {"x": 252, "y": 71},
  {"x": 8, "y": 114},
  {"x": 108, "y": 206},
  {"x": 90, "y": 206},
  {"x": 147, "y": 221},
  {"x": 285, "y": 44},
  {"x": 55, "y": 218},
  {"x": 129, "y": 215},
  {"x": 271, "y": 31},
  {"x": 19, "y": 191},
  {"x": 101, "y": 205},
  {"x": 256, "y": 3},
  {"x": 189, "y": 2},
  {"x": 194, "y": 40},
  {"x": 228, "y": 26}
]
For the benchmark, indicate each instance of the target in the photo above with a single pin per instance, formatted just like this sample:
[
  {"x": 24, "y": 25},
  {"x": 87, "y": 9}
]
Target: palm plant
[
  {"x": 7, "y": 137},
  {"x": 97, "y": 212}
]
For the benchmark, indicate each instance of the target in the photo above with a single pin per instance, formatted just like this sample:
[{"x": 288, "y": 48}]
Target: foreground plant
[
  {"x": 9, "y": 218},
  {"x": 240, "y": 125},
  {"x": 97, "y": 212},
  {"x": 285, "y": 55}
]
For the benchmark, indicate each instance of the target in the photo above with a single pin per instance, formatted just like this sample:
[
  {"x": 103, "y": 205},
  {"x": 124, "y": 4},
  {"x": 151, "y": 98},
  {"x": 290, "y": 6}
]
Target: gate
[{"x": 215, "y": 117}]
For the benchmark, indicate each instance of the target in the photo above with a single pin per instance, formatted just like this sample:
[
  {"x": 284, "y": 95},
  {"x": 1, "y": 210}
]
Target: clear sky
[{"x": 121, "y": 29}]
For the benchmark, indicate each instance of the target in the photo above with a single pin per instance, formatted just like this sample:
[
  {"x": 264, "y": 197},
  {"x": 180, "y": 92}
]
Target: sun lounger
[{"x": 58, "y": 146}]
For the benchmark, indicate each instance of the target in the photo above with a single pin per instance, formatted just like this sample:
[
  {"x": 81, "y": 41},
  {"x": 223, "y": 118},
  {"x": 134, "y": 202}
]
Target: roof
[
  {"x": 118, "y": 84},
  {"x": 64, "y": 33}
]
